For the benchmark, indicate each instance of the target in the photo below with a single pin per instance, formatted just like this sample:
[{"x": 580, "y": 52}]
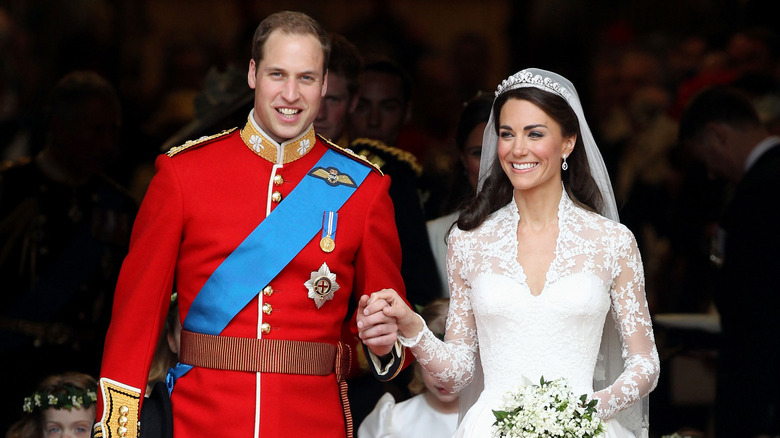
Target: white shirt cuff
[{"x": 382, "y": 370}]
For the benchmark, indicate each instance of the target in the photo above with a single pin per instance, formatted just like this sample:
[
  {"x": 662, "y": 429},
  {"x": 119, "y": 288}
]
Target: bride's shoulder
[
  {"x": 487, "y": 227},
  {"x": 456, "y": 235},
  {"x": 608, "y": 226}
]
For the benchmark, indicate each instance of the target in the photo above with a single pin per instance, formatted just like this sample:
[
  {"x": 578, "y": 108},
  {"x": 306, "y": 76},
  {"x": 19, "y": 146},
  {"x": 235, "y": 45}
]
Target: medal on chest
[
  {"x": 322, "y": 285},
  {"x": 329, "y": 221}
]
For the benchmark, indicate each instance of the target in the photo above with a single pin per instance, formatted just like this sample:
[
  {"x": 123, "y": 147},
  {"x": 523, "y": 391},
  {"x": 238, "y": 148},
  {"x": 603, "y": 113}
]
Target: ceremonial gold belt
[{"x": 269, "y": 356}]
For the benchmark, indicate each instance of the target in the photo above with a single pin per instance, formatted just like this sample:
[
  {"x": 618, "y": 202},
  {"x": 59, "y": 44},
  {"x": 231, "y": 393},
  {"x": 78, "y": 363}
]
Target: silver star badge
[{"x": 322, "y": 285}]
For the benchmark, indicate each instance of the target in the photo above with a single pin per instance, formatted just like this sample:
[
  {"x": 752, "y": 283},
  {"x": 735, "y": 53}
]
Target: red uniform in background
[{"x": 204, "y": 200}]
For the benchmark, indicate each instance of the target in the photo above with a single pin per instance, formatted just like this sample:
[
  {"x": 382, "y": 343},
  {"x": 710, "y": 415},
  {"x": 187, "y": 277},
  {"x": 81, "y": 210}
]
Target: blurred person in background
[
  {"x": 341, "y": 98},
  {"x": 383, "y": 109},
  {"x": 463, "y": 186},
  {"x": 64, "y": 230},
  {"x": 721, "y": 128}
]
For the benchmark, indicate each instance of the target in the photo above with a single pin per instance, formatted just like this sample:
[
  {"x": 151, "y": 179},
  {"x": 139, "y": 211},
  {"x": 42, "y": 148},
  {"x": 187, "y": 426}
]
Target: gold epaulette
[
  {"x": 201, "y": 141},
  {"x": 348, "y": 152},
  {"x": 400, "y": 154}
]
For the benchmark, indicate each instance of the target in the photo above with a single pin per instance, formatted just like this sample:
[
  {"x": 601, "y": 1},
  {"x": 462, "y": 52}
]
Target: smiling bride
[{"x": 544, "y": 280}]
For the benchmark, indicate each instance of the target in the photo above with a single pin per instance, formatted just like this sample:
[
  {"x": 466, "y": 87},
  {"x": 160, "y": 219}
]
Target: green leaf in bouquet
[{"x": 500, "y": 416}]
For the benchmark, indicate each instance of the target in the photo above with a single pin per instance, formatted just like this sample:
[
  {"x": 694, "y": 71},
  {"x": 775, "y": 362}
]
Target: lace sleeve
[
  {"x": 629, "y": 309},
  {"x": 451, "y": 362}
]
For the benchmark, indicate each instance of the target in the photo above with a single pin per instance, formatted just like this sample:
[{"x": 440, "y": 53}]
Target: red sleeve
[
  {"x": 378, "y": 261},
  {"x": 143, "y": 291}
]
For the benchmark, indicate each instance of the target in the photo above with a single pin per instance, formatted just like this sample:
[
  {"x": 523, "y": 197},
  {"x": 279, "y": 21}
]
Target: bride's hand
[
  {"x": 378, "y": 331},
  {"x": 392, "y": 305}
]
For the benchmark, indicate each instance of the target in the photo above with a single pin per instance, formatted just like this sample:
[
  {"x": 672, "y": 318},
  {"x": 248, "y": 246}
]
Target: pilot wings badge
[
  {"x": 322, "y": 285},
  {"x": 333, "y": 177}
]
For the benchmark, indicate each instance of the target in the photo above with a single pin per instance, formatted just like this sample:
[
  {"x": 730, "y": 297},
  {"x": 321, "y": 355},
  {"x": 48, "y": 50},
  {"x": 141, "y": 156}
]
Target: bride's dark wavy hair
[{"x": 497, "y": 189}]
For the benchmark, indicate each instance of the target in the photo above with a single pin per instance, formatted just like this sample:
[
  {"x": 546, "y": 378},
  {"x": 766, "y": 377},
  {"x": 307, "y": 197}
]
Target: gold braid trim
[
  {"x": 121, "y": 407},
  {"x": 350, "y": 153},
  {"x": 190, "y": 143},
  {"x": 401, "y": 154},
  {"x": 395, "y": 366},
  {"x": 401, "y": 351},
  {"x": 265, "y": 147},
  {"x": 343, "y": 364}
]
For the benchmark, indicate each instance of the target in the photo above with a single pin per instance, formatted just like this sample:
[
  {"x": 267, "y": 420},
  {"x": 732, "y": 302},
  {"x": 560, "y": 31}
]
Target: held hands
[{"x": 381, "y": 316}]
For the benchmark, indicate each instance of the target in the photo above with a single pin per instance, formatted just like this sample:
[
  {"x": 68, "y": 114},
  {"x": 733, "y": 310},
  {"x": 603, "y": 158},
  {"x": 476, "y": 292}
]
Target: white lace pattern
[{"x": 519, "y": 336}]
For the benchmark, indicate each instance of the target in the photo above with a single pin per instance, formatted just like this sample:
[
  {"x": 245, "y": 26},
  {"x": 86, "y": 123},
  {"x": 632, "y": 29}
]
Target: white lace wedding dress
[{"x": 521, "y": 336}]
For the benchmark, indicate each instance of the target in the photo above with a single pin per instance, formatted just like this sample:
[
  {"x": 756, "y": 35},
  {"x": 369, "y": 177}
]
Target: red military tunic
[{"x": 201, "y": 204}]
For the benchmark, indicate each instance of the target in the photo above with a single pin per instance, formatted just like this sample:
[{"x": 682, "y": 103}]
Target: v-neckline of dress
[{"x": 556, "y": 254}]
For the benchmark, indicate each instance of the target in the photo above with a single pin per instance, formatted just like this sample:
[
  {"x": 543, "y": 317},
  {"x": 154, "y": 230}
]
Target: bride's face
[{"x": 531, "y": 146}]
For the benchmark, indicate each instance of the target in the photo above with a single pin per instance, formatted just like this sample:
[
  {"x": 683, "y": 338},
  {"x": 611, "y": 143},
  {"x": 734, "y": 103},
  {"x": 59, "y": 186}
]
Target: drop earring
[{"x": 564, "y": 165}]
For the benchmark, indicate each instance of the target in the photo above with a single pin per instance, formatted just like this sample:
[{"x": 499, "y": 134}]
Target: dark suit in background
[
  {"x": 722, "y": 128},
  {"x": 748, "y": 388}
]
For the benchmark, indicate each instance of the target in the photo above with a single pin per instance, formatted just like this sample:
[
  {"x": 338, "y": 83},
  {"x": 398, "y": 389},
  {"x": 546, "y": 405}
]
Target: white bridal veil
[{"x": 610, "y": 360}]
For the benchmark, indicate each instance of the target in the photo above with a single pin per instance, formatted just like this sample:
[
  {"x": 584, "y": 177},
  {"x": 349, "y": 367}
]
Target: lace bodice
[{"x": 596, "y": 267}]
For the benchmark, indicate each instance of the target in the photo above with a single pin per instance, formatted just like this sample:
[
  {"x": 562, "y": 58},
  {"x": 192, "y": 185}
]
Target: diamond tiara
[{"x": 525, "y": 78}]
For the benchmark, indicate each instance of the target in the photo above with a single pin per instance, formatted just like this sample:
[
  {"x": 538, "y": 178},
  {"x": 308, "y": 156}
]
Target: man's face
[
  {"x": 381, "y": 112},
  {"x": 335, "y": 107},
  {"x": 86, "y": 140},
  {"x": 711, "y": 150},
  {"x": 289, "y": 84}
]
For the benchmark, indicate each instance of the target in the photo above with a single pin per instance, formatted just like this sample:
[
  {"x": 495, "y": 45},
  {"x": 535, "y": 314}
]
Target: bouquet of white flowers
[{"x": 547, "y": 410}]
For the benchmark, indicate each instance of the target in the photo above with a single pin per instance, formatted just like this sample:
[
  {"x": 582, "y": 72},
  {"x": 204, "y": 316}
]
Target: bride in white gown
[{"x": 543, "y": 279}]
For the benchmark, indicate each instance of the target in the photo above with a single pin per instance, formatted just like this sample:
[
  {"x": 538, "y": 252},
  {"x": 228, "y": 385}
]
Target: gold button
[
  {"x": 265, "y": 328},
  {"x": 267, "y": 309},
  {"x": 123, "y": 421},
  {"x": 122, "y": 431},
  {"x": 278, "y": 180},
  {"x": 123, "y": 410},
  {"x": 276, "y": 197},
  {"x": 268, "y": 291}
]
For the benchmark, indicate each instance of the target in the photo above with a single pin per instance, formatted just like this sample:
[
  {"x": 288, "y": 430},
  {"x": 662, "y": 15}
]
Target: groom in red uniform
[{"x": 266, "y": 232}]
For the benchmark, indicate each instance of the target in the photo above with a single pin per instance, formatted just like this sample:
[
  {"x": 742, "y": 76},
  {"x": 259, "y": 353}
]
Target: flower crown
[
  {"x": 70, "y": 397},
  {"x": 525, "y": 78}
]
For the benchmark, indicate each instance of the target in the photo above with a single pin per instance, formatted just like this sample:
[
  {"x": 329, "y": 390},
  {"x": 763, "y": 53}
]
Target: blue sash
[{"x": 283, "y": 234}]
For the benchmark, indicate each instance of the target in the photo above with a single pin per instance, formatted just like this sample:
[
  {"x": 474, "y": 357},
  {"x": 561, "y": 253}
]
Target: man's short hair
[
  {"x": 345, "y": 60},
  {"x": 290, "y": 22},
  {"x": 77, "y": 87},
  {"x": 716, "y": 104},
  {"x": 383, "y": 64}
]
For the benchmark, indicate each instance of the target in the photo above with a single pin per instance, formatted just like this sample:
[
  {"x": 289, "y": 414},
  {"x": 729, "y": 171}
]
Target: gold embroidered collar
[{"x": 287, "y": 152}]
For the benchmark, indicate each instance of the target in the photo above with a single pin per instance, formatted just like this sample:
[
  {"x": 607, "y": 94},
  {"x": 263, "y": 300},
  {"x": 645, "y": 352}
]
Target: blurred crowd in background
[{"x": 172, "y": 62}]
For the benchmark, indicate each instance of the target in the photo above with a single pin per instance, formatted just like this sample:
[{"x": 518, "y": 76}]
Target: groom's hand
[
  {"x": 391, "y": 305},
  {"x": 378, "y": 331}
]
